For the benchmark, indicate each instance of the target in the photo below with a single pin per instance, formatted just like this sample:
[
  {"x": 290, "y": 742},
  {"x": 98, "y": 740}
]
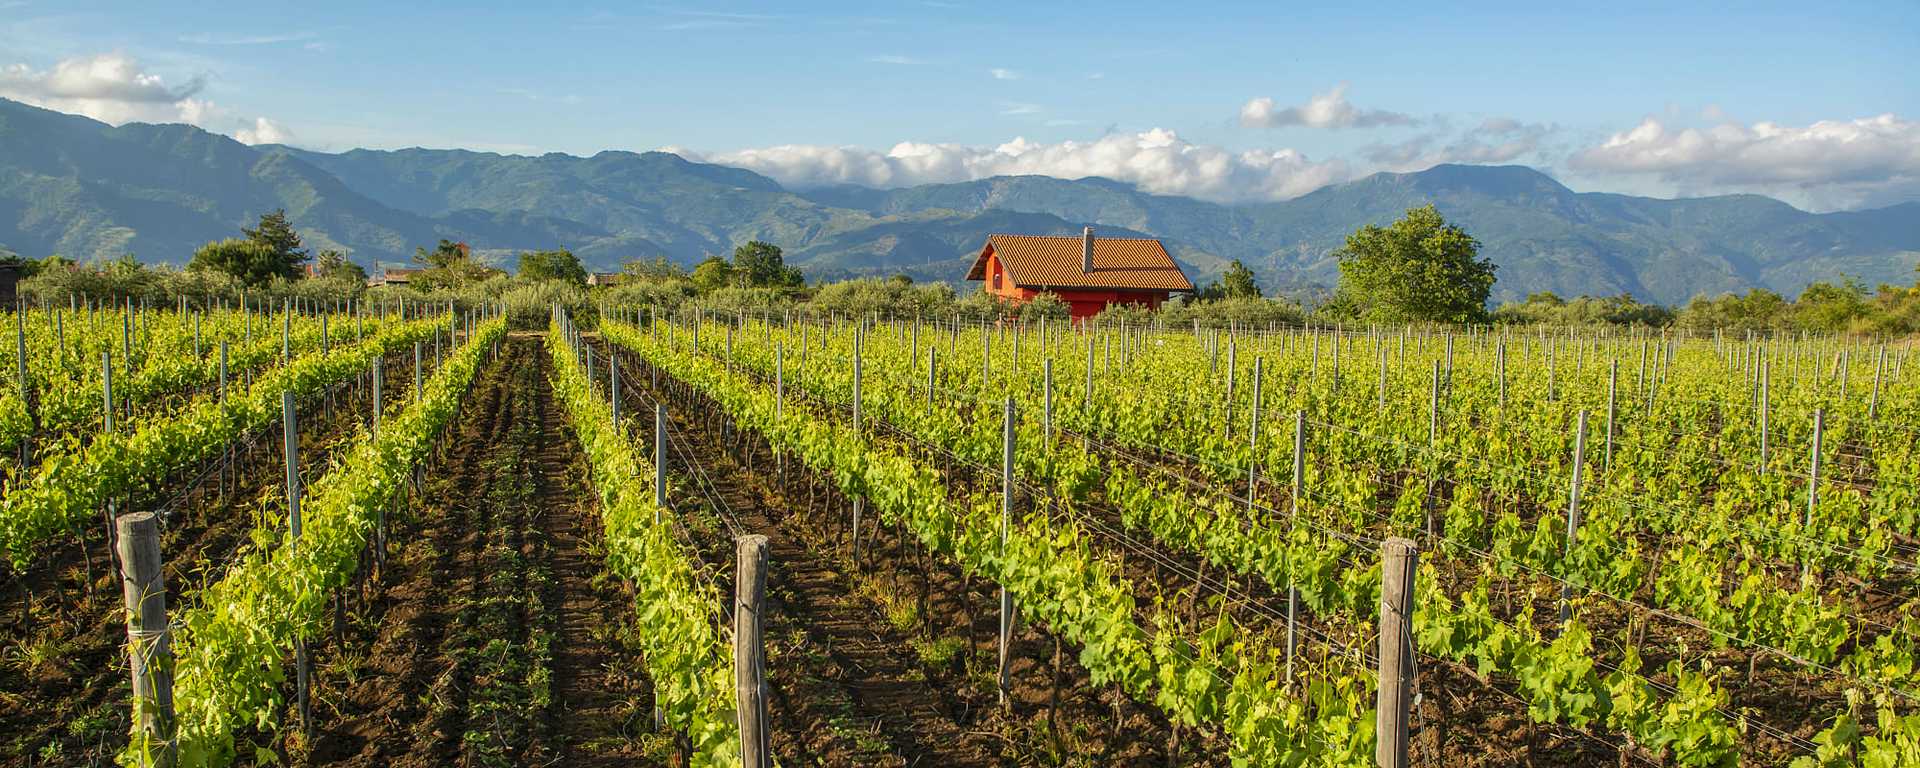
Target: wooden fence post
[
  {"x": 1573, "y": 511},
  {"x": 749, "y": 652},
  {"x": 1253, "y": 436},
  {"x": 26, "y": 390},
  {"x": 1299, "y": 489},
  {"x": 659, "y": 460},
  {"x": 149, "y": 644},
  {"x": 1813, "y": 480},
  {"x": 1766, "y": 378},
  {"x": 859, "y": 501},
  {"x": 1006, "y": 518},
  {"x": 290, "y": 432},
  {"x": 1613, "y": 378},
  {"x": 1395, "y": 691}
]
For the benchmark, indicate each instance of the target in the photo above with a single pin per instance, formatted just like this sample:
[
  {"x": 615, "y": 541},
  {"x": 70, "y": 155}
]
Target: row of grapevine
[
  {"x": 1552, "y": 673},
  {"x": 157, "y": 358},
  {"x": 230, "y": 647},
  {"x": 687, "y": 657},
  {"x": 61, "y": 493},
  {"x": 67, "y": 397}
]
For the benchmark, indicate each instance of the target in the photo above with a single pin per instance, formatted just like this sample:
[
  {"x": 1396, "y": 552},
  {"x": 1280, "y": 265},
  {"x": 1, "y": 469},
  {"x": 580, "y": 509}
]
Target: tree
[
  {"x": 269, "y": 250},
  {"x": 1419, "y": 269},
  {"x": 761, "y": 265},
  {"x": 1828, "y": 308},
  {"x": 447, "y": 254},
  {"x": 712, "y": 274},
  {"x": 274, "y": 231},
  {"x": 657, "y": 269},
  {"x": 334, "y": 265},
  {"x": 553, "y": 265},
  {"x": 449, "y": 265},
  {"x": 252, "y": 262},
  {"x": 1238, "y": 282}
]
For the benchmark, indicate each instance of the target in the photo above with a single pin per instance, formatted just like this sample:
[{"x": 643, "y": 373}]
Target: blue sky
[{"x": 1235, "y": 101}]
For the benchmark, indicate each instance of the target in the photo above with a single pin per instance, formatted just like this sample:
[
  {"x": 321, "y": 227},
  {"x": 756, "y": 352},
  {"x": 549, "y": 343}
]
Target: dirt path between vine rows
[{"x": 495, "y": 640}]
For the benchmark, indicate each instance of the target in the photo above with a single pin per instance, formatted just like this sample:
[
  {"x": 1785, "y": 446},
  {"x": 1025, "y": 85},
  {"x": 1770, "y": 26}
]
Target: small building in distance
[
  {"x": 1086, "y": 272},
  {"x": 605, "y": 278},
  {"x": 392, "y": 276}
]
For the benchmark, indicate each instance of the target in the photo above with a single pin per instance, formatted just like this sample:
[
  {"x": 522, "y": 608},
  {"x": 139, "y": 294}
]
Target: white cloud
[
  {"x": 111, "y": 87},
  {"x": 1155, "y": 160},
  {"x": 1324, "y": 110},
  {"x": 264, "y": 131},
  {"x": 1495, "y": 140},
  {"x": 1831, "y": 163},
  {"x": 116, "y": 88},
  {"x": 891, "y": 58},
  {"x": 1018, "y": 108},
  {"x": 1003, "y": 74}
]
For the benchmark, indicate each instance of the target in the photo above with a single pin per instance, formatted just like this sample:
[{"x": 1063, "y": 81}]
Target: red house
[{"x": 1086, "y": 272}]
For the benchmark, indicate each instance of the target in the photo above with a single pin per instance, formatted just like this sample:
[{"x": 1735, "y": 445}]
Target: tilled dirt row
[
  {"x": 64, "y": 692},
  {"x": 888, "y": 658},
  {"x": 494, "y": 638}
]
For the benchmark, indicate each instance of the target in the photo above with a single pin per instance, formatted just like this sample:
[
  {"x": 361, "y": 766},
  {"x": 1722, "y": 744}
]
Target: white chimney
[{"x": 1086, "y": 251}]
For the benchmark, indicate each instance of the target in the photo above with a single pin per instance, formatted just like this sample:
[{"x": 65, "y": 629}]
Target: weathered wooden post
[
  {"x": 379, "y": 400},
  {"x": 1253, "y": 436},
  {"x": 1383, "y": 376},
  {"x": 1433, "y": 408},
  {"x": 1879, "y": 372},
  {"x": 659, "y": 460},
  {"x": 1299, "y": 490},
  {"x": 613, "y": 385},
  {"x": 1086, "y": 405},
  {"x": 1047, "y": 403},
  {"x": 1613, "y": 378},
  {"x": 416, "y": 371},
  {"x": 1395, "y": 692},
  {"x": 26, "y": 390},
  {"x": 1573, "y": 511},
  {"x": 1813, "y": 481},
  {"x": 1006, "y": 522},
  {"x": 290, "y": 431},
  {"x": 1500, "y": 370},
  {"x": 1765, "y": 405},
  {"x": 143, "y": 588},
  {"x": 859, "y": 500},
  {"x": 749, "y": 651}
]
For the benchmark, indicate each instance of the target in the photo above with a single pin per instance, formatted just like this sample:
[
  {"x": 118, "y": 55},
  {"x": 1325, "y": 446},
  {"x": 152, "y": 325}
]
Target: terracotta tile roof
[{"x": 1034, "y": 261}]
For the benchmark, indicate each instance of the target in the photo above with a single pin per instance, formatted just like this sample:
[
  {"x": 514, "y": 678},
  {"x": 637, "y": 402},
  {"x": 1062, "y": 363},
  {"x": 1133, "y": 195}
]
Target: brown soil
[{"x": 494, "y": 637}]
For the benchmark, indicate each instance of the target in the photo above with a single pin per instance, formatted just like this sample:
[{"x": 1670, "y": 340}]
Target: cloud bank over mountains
[
  {"x": 117, "y": 88},
  {"x": 1828, "y": 164},
  {"x": 1156, "y": 160},
  {"x": 1866, "y": 160}
]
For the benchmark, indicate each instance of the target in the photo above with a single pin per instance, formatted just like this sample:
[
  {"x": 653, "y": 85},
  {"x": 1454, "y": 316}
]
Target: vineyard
[{"x": 376, "y": 535}]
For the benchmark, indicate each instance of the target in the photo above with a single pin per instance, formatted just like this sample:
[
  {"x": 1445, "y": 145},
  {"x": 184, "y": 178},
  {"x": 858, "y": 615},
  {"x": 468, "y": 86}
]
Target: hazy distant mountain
[{"x": 78, "y": 187}]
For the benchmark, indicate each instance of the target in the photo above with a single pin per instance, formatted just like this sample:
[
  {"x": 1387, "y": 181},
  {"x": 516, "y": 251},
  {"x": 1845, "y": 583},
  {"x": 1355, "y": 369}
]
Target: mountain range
[{"x": 84, "y": 189}]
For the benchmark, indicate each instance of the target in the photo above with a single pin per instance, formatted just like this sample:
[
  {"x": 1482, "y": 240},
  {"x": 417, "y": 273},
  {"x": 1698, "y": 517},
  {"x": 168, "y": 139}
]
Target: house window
[{"x": 996, "y": 279}]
